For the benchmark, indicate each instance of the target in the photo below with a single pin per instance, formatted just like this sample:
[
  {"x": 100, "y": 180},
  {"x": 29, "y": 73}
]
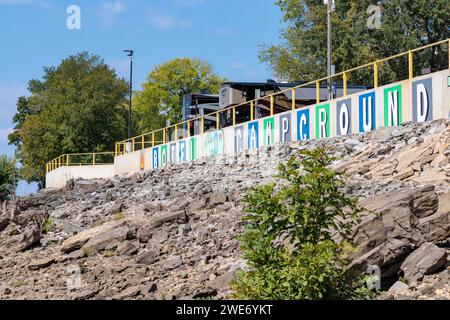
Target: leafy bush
[{"x": 298, "y": 235}]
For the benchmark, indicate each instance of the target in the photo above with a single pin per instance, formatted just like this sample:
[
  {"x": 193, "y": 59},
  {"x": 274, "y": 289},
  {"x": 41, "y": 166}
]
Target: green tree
[
  {"x": 77, "y": 107},
  {"x": 404, "y": 25},
  {"x": 9, "y": 177},
  {"x": 291, "y": 239},
  {"x": 161, "y": 96}
]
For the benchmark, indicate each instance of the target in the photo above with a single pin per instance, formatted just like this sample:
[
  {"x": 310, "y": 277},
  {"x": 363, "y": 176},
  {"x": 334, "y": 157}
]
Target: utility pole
[
  {"x": 330, "y": 9},
  {"x": 131, "y": 55}
]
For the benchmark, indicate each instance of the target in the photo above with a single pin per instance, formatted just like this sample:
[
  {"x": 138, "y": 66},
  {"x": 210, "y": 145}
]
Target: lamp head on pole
[
  {"x": 333, "y": 5},
  {"x": 130, "y": 52}
]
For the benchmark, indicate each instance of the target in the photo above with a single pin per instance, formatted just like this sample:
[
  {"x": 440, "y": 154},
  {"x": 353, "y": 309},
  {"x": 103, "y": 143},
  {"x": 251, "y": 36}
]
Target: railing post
[
  {"x": 67, "y": 160},
  {"x": 294, "y": 98},
  {"x": 133, "y": 141},
  {"x": 217, "y": 121},
  {"x": 271, "y": 105},
  {"x": 375, "y": 74},
  {"x": 188, "y": 125},
  {"x": 411, "y": 65},
  {"x": 143, "y": 142},
  {"x": 317, "y": 92},
  {"x": 93, "y": 159},
  {"x": 234, "y": 116},
  {"x": 202, "y": 125},
  {"x": 176, "y": 132},
  {"x": 153, "y": 139},
  {"x": 344, "y": 80},
  {"x": 252, "y": 107},
  {"x": 448, "y": 53},
  {"x": 164, "y": 136}
]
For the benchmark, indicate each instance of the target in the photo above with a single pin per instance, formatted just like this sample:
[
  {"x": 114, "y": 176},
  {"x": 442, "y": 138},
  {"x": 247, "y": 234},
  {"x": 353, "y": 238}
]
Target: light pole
[
  {"x": 330, "y": 9},
  {"x": 131, "y": 55}
]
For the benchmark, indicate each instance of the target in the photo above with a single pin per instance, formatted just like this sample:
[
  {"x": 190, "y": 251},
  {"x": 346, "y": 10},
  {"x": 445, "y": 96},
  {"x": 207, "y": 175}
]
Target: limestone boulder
[
  {"x": 428, "y": 259},
  {"x": 80, "y": 239}
]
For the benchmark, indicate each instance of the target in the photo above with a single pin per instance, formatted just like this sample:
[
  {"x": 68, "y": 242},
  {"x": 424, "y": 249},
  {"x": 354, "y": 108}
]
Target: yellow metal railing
[
  {"x": 143, "y": 141},
  {"x": 81, "y": 159},
  {"x": 161, "y": 136}
]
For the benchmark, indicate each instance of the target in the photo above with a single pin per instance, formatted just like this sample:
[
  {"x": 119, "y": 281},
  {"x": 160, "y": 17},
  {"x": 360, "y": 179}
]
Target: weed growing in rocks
[{"x": 48, "y": 224}]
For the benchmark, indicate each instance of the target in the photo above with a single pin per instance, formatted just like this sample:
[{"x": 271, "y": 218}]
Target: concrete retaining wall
[{"x": 59, "y": 177}]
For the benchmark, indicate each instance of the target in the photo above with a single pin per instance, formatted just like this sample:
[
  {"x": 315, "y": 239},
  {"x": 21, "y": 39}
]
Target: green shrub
[
  {"x": 119, "y": 216},
  {"x": 289, "y": 240},
  {"x": 48, "y": 224},
  {"x": 87, "y": 251},
  {"x": 19, "y": 283},
  {"x": 108, "y": 254},
  {"x": 81, "y": 266}
]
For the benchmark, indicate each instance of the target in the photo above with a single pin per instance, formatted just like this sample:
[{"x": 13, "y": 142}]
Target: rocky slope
[{"x": 171, "y": 234}]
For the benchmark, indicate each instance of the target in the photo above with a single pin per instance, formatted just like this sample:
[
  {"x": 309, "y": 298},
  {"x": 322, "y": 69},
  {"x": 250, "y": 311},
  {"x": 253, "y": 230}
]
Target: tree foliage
[
  {"x": 9, "y": 177},
  {"x": 77, "y": 107},
  {"x": 161, "y": 96},
  {"x": 404, "y": 25},
  {"x": 291, "y": 239}
]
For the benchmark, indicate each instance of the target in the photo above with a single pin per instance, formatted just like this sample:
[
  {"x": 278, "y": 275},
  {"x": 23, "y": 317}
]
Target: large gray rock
[
  {"x": 437, "y": 226},
  {"x": 108, "y": 239},
  {"x": 127, "y": 248},
  {"x": 398, "y": 287},
  {"x": 128, "y": 293},
  {"x": 80, "y": 239},
  {"x": 395, "y": 225},
  {"x": 42, "y": 263},
  {"x": 222, "y": 282},
  {"x": 175, "y": 216},
  {"x": 145, "y": 233},
  {"x": 29, "y": 239},
  {"x": 148, "y": 256},
  {"x": 218, "y": 198},
  {"x": 428, "y": 259},
  {"x": 173, "y": 262}
]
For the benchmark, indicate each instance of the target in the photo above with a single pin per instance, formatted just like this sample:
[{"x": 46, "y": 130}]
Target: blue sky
[{"x": 226, "y": 33}]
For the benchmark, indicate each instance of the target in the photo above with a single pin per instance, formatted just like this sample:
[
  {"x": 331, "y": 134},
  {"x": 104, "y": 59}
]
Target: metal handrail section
[{"x": 67, "y": 160}]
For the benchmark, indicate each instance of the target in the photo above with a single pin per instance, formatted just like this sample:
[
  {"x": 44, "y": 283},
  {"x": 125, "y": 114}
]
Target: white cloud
[
  {"x": 122, "y": 66},
  {"x": 109, "y": 11},
  {"x": 189, "y": 3},
  {"x": 245, "y": 72},
  {"x": 40, "y": 3},
  {"x": 162, "y": 20},
  {"x": 223, "y": 31},
  {"x": 4, "y": 134}
]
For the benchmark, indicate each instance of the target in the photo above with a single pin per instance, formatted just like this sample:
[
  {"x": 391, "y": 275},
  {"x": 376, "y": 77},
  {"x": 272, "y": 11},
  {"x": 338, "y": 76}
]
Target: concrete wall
[
  {"x": 59, "y": 177},
  {"x": 423, "y": 98}
]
